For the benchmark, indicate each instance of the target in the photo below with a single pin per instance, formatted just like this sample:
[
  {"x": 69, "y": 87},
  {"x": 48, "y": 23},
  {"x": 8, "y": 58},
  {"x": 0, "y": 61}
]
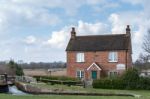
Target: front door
[{"x": 94, "y": 74}]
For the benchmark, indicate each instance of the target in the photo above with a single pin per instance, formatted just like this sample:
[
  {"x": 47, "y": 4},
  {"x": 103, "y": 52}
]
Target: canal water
[{"x": 14, "y": 91}]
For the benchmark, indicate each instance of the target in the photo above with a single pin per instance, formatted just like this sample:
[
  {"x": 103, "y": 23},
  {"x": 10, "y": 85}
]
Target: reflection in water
[{"x": 13, "y": 90}]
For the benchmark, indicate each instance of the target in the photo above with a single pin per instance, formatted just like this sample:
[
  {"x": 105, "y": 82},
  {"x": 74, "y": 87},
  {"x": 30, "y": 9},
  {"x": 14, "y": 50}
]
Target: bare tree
[
  {"x": 146, "y": 43},
  {"x": 142, "y": 62}
]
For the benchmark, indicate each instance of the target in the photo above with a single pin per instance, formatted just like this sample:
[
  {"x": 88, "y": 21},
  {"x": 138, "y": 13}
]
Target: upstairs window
[
  {"x": 80, "y": 57},
  {"x": 80, "y": 74},
  {"x": 113, "y": 57}
]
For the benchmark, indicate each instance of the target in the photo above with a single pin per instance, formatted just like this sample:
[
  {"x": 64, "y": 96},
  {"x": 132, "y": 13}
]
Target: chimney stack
[
  {"x": 73, "y": 33},
  {"x": 128, "y": 30}
]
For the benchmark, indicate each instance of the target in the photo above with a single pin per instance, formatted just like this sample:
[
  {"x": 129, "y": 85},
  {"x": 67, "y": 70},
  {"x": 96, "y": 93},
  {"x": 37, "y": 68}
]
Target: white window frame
[
  {"x": 80, "y": 75},
  {"x": 113, "y": 57},
  {"x": 80, "y": 57}
]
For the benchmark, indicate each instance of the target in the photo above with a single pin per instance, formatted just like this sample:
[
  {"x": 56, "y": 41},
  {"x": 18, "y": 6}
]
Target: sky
[{"x": 39, "y": 30}]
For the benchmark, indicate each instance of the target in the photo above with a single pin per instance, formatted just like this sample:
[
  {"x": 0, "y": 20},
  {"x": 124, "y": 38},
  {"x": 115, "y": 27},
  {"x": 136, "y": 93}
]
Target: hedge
[
  {"x": 59, "y": 80},
  {"x": 143, "y": 83},
  {"x": 109, "y": 84},
  {"x": 129, "y": 80},
  {"x": 63, "y": 78}
]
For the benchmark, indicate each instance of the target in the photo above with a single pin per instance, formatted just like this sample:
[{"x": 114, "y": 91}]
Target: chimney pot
[
  {"x": 73, "y": 33},
  {"x": 128, "y": 30},
  {"x": 73, "y": 29}
]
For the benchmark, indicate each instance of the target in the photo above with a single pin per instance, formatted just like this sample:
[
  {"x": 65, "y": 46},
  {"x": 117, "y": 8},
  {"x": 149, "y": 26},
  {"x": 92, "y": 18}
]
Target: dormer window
[
  {"x": 113, "y": 57},
  {"x": 80, "y": 57}
]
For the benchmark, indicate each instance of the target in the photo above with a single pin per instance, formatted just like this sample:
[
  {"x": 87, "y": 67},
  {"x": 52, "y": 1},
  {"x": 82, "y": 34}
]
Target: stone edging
[{"x": 37, "y": 91}]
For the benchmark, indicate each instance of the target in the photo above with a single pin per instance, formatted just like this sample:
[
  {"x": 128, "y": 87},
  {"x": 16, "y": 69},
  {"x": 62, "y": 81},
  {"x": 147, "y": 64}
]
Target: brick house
[{"x": 96, "y": 56}]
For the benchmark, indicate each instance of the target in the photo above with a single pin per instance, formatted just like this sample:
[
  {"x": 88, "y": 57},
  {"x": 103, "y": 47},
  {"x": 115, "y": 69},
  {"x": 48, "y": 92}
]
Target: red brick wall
[{"x": 101, "y": 58}]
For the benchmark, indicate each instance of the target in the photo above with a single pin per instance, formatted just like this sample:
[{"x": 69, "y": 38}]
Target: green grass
[
  {"x": 4, "y": 96},
  {"x": 144, "y": 94}
]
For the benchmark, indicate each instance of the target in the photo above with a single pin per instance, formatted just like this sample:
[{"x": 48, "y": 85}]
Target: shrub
[
  {"x": 115, "y": 83},
  {"x": 129, "y": 80},
  {"x": 144, "y": 83},
  {"x": 103, "y": 83},
  {"x": 131, "y": 75},
  {"x": 118, "y": 83},
  {"x": 63, "y": 78},
  {"x": 58, "y": 80}
]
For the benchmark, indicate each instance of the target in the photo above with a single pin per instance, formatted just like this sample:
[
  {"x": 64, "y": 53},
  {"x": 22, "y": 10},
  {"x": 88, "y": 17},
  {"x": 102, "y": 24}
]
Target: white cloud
[
  {"x": 66, "y": 4},
  {"x": 85, "y": 28},
  {"x": 17, "y": 13},
  {"x": 59, "y": 39},
  {"x": 117, "y": 25},
  {"x": 70, "y": 6}
]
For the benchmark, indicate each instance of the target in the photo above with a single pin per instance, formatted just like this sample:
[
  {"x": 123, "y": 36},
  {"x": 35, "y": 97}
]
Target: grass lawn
[{"x": 144, "y": 94}]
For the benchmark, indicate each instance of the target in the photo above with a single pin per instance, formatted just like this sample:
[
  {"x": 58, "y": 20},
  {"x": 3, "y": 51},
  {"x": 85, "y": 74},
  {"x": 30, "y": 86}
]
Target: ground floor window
[
  {"x": 80, "y": 74},
  {"x": 112, "y": 73}
]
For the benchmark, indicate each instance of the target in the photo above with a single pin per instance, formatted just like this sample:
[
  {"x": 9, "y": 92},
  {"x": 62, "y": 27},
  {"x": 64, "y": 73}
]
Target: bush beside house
[{"x": 129, "y": 80}]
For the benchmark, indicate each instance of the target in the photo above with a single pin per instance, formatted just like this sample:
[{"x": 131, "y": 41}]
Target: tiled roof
[{"x": 99, "y": 43}]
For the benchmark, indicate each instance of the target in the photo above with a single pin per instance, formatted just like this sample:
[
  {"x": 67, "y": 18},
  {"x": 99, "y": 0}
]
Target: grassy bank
[{"x": 144, "y": 94}]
